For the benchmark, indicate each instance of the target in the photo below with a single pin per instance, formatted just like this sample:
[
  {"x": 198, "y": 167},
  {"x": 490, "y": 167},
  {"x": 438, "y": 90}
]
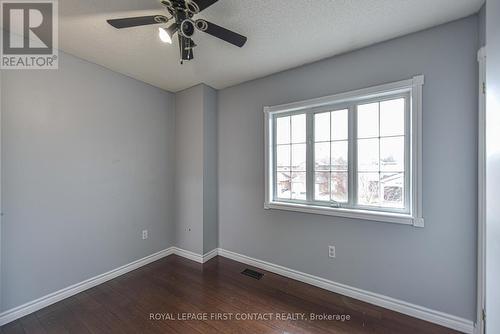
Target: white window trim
[{"x": 414, "y": 87}]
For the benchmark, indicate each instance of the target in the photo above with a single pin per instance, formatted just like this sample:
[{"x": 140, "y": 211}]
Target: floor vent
[{"x": 252, "y": 273}]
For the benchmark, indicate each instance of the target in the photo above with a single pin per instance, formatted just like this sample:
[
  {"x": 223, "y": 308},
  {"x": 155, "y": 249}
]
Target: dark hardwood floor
[{"x": 182, "y": 288}]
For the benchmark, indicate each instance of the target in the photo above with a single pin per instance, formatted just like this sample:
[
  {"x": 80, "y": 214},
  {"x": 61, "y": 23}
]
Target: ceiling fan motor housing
[
  {"x": 187, "y": 28},
  {"x": 188, "y": 6}
]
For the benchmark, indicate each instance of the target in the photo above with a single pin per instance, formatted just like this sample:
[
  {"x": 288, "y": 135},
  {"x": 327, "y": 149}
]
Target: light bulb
[{"x": 165, "y": 36}]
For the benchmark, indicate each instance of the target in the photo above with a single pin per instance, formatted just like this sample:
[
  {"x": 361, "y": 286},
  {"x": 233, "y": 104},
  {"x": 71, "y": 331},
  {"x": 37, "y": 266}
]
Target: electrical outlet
[
  {"x": 145, "y": 234},
  {"x": 331, "y": 251}
]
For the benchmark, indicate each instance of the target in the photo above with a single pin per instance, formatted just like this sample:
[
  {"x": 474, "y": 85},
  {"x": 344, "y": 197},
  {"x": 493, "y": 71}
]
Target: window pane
[
  {"x": 299, "y": 186},
  {"x": 339, "y": 156},
  {"x": 392, "y": 154},
  {"x": 368, "y": 155},
  {"x": 392, "y": 189},
  {"x": 339, "y": 187},
  {"x": 283, "y": 130},
  {"x": 299, "y": 157},
  {"x": 368, "y": 122},
  {"x": 283, "y": 158},
  {"x": 322, "y": 127},
  {"x": 392, "y": 118},
  {"x": 322, "y": 186},
  {"x": 299, "y": 128},
  {"x": 340, "y": 125},
  {"x": 380, "y": 148},
  {"x": 322, "y": 156},
  {"x": 368, "y": 189},
  {"x": 283, "y": 185}
]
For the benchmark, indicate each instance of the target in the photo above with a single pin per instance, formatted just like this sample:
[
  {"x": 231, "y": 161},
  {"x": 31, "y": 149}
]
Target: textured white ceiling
[{"x": 281, "y": 34}]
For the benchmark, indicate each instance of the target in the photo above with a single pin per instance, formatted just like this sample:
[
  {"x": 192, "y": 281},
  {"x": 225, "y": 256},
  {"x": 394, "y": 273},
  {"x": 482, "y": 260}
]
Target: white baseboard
[
  {"x": 195, "y": 256},
  {"x": 188, "y": 254},
  {"x": 400, "y": 306},
  {"x": 210, "y": 255},
  {"x": 412, "y": 310},
  {"x": 35, "y": 305}
]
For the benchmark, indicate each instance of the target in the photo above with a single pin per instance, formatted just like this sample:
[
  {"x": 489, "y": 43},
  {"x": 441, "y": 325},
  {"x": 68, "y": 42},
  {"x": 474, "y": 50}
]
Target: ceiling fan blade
[
  {"x": 225, "y": 34},
  {"x": 137, "y": 21},
  {"x": 202, "y": 4}
]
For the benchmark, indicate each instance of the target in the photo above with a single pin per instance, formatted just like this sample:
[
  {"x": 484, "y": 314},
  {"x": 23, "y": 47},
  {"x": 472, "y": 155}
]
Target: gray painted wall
[
  {"x": 481, "y": 15},
  {"x": 87, "y": 164},
  {"x": 210, "y": 224},
  {"x": 196, "y": 172},
  {"x": 433, "y": 267},
  {"x": 493, "y": 168},
  {"x": 189, "y": 106}
]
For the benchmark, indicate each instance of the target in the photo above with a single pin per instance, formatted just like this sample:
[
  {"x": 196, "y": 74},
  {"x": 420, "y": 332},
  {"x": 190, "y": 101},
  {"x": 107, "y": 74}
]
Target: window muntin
[{"x": 354, "y": 156}]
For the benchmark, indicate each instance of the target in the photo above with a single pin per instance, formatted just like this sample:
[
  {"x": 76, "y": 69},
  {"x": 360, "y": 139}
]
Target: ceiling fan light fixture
[{"x": 164, "y": 35}]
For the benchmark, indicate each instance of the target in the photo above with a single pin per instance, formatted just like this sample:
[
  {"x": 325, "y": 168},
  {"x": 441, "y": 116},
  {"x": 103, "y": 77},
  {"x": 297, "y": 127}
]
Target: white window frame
[{"x": 411, "y": 87}]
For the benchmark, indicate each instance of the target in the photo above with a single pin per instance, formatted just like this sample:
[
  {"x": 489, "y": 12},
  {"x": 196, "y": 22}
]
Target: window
[{"x": 355, "y": 155}]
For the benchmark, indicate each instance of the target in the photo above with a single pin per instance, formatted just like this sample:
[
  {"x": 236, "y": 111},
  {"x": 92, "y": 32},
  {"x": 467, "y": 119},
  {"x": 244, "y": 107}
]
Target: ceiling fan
[{"x": 181, "y": 12}]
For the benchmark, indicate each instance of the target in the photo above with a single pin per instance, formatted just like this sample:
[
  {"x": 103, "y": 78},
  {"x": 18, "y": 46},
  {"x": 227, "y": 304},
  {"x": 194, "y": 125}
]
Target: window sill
[{"x": 385, "y": 217}]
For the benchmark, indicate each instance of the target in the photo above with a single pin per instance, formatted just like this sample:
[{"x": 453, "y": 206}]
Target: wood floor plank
[
  {"x": 250, "y": 301},
  {"x": 13, "y": 328},
  {"x": 177, "y": 287},
  {"x": 274, "y": 300},
  {"x": 32, "y": 325},
  {"x": 52, "y": 318}
]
